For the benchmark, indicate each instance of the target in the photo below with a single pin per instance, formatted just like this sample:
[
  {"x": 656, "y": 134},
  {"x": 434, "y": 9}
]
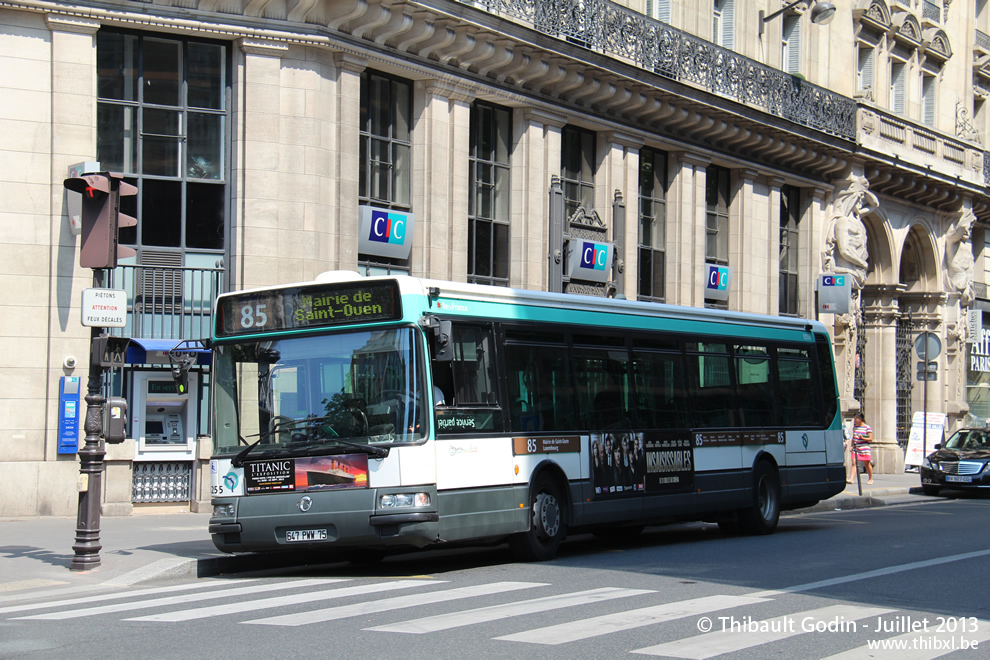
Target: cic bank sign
[
  {"x": 385, "y": 233},
  {"x": 590, "y": 260}
]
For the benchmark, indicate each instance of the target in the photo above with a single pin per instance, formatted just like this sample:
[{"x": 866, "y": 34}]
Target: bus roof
[{"x": 437, "y": 290}]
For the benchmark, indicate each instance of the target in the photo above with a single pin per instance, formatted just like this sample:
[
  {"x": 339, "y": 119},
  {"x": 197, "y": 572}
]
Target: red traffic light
[{"x": 101, "y": 218}]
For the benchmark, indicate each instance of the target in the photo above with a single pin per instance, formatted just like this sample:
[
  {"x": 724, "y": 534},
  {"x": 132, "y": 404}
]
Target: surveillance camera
[{"x": 69, "y": 362}]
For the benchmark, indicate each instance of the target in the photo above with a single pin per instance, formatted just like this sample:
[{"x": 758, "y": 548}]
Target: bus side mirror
[{"x": 445, "y": 344}]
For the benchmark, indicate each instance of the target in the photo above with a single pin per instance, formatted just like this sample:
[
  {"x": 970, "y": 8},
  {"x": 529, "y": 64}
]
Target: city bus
[{"x": 373, "y": 414}]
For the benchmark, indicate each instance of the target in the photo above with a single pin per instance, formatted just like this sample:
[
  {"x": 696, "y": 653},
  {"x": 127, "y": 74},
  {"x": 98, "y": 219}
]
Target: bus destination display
[{"x": 308, "y": 307}]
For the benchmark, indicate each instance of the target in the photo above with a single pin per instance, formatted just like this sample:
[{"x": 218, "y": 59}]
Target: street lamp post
[{"x": 87, "y": 546}]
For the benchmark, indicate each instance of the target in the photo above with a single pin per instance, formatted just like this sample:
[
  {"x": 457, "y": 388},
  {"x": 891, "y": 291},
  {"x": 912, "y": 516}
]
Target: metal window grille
[{"x": 162, "y": 482}]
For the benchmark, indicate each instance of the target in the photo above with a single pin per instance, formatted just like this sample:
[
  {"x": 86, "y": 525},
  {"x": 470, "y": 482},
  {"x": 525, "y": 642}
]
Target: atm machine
[{"x": 164, "y": 425}]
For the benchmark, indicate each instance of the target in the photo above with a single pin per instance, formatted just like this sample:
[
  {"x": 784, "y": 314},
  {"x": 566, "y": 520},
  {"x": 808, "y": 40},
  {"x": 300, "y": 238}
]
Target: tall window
[
  {"x": 577, "y": 169},
  {"x": 864, "y": 70},
  {"x": 385, "y": 168},
  {"x": 790, "y": 60},
  {"x": 724, "y": 23},
  {"x": 162, "y": 120},
  {"x": 898, "y": 82},
  {"x": 652, "y": 224},
  {"x": 929, "y": 89},
  {"x": 790, "y": 216},
  {"x": 488, "y": 205},
  {"x": 717, "y": 222},
  {"x": 658, "y": 9}
]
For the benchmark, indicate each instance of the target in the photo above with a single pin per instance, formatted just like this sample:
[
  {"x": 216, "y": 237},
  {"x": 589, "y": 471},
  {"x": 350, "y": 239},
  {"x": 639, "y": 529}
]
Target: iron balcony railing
[
  {"x": 167, "y": 302},
  {"x": 614, "y": 30}
]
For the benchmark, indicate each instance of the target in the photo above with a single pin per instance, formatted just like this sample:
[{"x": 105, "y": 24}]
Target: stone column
[
  {"x": 621, "y": 173},
  {"x": 753, "y": 240},
  {"x": 257, "y": 127},
  {"x": 348, "y": 102},
  {"x": 686, "y": 213},
  {"x": 880, "y": 314},
  {"x": 441, "y": 182},
  {"x": 535, "y": 158},
  {"x": 811, "y": 231}
]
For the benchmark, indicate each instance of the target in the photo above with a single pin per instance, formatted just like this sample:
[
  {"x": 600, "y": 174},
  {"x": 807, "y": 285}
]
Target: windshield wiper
[
  {"x": 371, "y": 450},
  {"x": 241, "y": 455},
  {"x": 303, "y": 424}
]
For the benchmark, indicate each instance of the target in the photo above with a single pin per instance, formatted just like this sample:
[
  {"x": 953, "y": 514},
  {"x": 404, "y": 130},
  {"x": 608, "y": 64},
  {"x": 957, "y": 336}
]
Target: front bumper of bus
[{"x": 324, "y": 520}]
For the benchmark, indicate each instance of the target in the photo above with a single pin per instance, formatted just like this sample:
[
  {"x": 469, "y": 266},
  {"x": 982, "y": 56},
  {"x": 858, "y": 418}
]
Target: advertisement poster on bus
[
  {"x": 629, "y": 464},
  {"x": 307, "y": 474}
]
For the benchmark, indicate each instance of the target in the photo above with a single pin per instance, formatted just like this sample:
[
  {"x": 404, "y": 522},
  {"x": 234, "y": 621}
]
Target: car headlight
[
  {"x": 223, "y": 510},
  {"x": 404, "y": 500}
]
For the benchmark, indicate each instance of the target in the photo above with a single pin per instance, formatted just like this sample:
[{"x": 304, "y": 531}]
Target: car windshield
[
  {"x": 969, "y": 439},
  {"x": 320, "y": 393}
]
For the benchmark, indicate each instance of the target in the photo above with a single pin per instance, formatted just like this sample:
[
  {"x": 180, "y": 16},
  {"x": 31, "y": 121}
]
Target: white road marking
[
  {"x": 386, "y": 604},
  {"x": 507, "y": 610}
]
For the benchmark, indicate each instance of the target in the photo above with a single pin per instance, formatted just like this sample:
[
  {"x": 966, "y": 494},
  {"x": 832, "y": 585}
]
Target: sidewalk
[
  {"x": 36, "y": 553},
  {"x": 885, "y": 489}
]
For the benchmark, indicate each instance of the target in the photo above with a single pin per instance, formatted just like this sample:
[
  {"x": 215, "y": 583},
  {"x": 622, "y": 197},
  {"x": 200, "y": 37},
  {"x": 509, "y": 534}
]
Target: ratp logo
[
  {"x": 388, "y": 228},
  {"x": 594, "y": 256}
]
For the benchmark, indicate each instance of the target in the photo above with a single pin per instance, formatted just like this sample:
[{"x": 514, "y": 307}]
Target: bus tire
[
  {"x": 547, "y": 525},
  {"x": 762, "y": 517}
]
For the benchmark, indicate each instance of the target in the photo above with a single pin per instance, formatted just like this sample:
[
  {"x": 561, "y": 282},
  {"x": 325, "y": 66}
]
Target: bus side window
[
  {"x": 472, "y": 369},
  {"x": 540, "y": 393},
  {"x": 754, "y": 384},
  {"x": 797, "y": 394},
  {"x": 661, "y": 400},
  {"x": 603, "y": 387},
  {"x": 715, "y": 404}
]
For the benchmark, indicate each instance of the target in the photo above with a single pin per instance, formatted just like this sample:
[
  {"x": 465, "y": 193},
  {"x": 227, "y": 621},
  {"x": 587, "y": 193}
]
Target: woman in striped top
[{"x": 862, "y": 437}]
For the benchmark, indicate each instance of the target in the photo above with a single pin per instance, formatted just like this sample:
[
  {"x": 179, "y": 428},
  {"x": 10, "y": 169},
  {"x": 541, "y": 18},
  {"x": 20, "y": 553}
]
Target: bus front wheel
[
  {"x": 762, "y": 517},
  {"x": 547, "y": 525}
]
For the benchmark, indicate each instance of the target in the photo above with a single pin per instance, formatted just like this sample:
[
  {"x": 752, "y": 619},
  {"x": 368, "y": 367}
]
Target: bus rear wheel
[
  {"x": 762, "y": 517},
  {"x": 547, "y": 525}
]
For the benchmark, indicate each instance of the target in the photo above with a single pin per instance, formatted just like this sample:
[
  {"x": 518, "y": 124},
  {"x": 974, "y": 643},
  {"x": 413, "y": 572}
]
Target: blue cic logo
[
  {"x": 388, "y": 228},
  {"x": 718, "y": 278},
  {"x": 833, "y": 280},
  {"x": 594, "y": 256}
]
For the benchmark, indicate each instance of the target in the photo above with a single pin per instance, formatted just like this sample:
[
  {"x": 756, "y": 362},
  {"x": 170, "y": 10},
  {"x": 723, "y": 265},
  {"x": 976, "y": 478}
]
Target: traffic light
[
  {"x": 180, "y": 376},
  {"x": 101, "y": 218}
]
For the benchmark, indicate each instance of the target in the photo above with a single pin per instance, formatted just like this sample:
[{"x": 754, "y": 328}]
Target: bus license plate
[
  {"x": 305, "y": 535},
  {"x": 956, "y": 478}
]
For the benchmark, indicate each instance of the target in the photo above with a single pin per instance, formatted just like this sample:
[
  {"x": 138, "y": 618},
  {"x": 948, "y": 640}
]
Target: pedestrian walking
[{"x": 861, "y": 452}]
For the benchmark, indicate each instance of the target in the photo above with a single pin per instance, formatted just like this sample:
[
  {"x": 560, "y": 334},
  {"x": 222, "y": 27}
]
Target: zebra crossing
[{"x": 454, "y": 606}]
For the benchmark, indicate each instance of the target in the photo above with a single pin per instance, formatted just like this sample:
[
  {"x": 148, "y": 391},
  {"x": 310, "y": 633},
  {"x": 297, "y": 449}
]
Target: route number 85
[{"x": 253, "y": 316}]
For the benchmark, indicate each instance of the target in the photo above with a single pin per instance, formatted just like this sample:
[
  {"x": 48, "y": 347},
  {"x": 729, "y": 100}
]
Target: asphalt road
[{"x": 835, "y": 584}]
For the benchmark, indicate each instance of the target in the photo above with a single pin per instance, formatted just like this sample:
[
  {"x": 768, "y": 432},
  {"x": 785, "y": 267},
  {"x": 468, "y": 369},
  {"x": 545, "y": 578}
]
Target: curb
[
  {"x": 205, "y": 567},
  {"x": 846, "y": 502}
]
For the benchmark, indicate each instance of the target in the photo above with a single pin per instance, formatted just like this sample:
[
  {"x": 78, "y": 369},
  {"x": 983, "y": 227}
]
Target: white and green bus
[{"x": 378, "y": 413}]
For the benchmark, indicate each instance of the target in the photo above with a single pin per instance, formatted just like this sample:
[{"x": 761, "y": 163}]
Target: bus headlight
[
  {"x": 223, "y": 510},
  {"x": 404, "y": 500}
]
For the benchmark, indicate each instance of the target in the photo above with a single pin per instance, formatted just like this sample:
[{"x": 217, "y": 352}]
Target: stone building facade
[{"x": 685, "y": 134}]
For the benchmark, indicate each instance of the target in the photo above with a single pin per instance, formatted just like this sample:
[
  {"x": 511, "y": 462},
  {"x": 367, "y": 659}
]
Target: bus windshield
[{"x": 319, "y": 393}]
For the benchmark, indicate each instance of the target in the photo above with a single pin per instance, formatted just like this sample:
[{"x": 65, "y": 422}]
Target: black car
[{"x": 963, "y": 461}]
